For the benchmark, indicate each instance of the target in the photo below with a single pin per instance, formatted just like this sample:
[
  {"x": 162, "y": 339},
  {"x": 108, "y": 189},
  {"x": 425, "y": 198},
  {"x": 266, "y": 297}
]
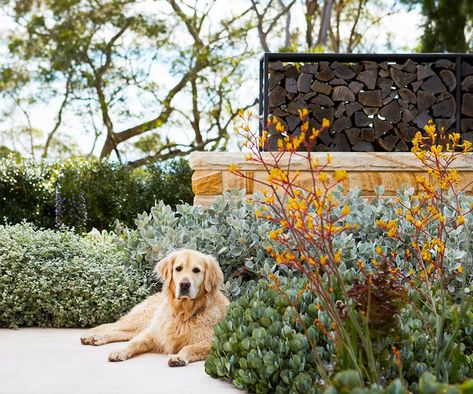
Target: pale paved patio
[{"x": 35, "y": 360}]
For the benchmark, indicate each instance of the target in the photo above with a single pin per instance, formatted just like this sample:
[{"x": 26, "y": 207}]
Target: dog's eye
[
  {"x": 196, "y": 270},
  {"x": 178, "y": 269}
]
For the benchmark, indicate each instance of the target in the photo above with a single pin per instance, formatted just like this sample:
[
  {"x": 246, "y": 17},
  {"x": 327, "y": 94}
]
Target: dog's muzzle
[{"x": 184, "y": 288}]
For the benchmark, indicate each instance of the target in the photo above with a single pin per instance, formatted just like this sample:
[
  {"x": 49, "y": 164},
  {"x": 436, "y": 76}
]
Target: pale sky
[{"x": 399, "y": 32}]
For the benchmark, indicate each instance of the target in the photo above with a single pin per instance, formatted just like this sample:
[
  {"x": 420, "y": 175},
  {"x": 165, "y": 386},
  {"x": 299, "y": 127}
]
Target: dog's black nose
[{"x": 184, "y": 285}]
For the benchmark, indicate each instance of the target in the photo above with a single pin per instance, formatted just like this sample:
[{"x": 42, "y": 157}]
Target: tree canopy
[
  {"x": 158, "y": 78},
  {"x": 448, "y": 25}
]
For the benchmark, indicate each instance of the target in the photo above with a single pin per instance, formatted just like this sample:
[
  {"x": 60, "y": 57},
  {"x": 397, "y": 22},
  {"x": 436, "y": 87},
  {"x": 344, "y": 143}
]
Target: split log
[
  {"x": 303, "y": 82},
  {"x": 434, "y": 85},
  {"x": 342, "y": 93},
  {"x": 467, "y": 104},
  {"x": 391, "y": 112},
  {"x": 368, "y": 77},
  {"x": 371, "y": 98}
]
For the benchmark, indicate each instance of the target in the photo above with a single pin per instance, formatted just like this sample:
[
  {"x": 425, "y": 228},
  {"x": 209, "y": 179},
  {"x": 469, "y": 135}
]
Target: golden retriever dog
[{"x": 179, "y": 320}]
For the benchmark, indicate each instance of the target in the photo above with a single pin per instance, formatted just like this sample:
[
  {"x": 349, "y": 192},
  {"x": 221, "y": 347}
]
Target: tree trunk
[
  {"x": 325, "y": 23},
  {"x": 310, "y": 13}
]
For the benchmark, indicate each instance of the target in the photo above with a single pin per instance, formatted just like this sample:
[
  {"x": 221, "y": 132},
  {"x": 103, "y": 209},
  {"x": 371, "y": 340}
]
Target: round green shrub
[{"x": 59, "y": 279}]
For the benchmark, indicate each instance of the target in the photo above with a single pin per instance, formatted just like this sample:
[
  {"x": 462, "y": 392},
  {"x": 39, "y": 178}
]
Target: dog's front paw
[
  {"x": 120, "y": 355},
  {"x": 94, "y": 340},
  {"x": 177, "y": 361}
]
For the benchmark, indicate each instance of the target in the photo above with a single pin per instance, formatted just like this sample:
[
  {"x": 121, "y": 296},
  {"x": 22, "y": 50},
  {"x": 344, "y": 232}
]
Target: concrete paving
[{"x": 35, "y": 360}]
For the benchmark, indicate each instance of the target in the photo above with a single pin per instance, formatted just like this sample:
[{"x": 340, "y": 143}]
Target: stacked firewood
[{"x": 371, "y": 106}]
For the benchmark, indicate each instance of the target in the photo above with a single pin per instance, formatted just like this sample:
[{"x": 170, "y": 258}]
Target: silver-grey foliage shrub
[
  {"x": 228, "y": 230},
  {"x": 59, "y": 279},
  {"x": 361, "y": 244}
]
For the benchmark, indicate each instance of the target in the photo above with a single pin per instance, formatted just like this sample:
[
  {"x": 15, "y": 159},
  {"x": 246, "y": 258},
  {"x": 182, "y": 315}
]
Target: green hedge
[
  {"x": 25, "y": 192},
  {"x": 58, "y": 279},
  {"x": 87, "y": 194}
]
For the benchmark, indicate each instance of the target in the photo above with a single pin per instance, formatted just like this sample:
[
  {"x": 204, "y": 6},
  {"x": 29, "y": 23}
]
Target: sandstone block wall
[{"x": 366, "y": 170}]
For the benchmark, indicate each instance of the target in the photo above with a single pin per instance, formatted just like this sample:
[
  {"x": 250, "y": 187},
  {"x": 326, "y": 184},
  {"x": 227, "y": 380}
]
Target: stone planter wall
[{"x": 366, "y": 170}]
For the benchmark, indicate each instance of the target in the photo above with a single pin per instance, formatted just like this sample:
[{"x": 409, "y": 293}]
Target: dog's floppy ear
[
  {"x": 164, "y": 267},
  {"x": 213, "y": 274}
]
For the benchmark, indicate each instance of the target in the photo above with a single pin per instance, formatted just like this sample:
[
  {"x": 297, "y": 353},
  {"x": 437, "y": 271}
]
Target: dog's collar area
[{"x": 194, "y": 314}]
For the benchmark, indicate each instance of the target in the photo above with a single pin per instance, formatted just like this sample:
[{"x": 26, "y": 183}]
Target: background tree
[
  {"x": 101, "y": 57},
  {"x": 328, "y": 25},
  {"x": 448, "y": 25},
  {"x": 148, "y": 81}
]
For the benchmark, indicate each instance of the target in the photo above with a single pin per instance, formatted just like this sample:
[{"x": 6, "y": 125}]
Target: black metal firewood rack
[{"x": 456, "y": 67}]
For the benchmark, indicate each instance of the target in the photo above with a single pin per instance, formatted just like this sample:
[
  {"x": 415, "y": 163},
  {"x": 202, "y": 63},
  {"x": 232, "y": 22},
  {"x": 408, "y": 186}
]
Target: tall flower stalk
[
  {"x": 435, "y": 212},
  {"x": 309, "y": 217}
]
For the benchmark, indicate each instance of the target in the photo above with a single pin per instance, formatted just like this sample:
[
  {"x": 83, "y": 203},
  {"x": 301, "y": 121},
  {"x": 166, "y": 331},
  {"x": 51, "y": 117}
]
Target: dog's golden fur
[{"x": 181, "y": 326}]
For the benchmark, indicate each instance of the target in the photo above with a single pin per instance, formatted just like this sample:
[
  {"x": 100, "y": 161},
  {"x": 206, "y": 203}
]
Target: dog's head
[{"x": 189, "y": 273}]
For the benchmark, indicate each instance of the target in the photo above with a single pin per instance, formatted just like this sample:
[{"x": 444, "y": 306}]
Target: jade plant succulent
[
  {"x": 348, "y": 382},
  {"x": 262, "y": 347}
]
